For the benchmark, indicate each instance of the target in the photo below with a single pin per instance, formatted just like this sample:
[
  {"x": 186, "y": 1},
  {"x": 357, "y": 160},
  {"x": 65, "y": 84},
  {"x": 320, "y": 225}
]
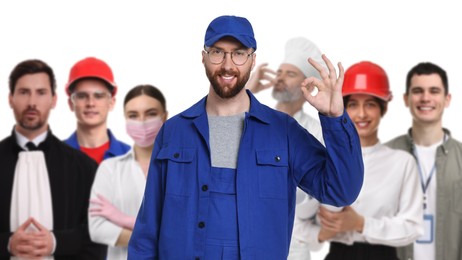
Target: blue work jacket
[
  {"x": 116, "y": 147},
  {"x": 275, "y": 156}
]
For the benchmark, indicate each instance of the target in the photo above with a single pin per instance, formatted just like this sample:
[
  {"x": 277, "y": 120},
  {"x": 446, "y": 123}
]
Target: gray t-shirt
[{"x": 225, "y": 137}]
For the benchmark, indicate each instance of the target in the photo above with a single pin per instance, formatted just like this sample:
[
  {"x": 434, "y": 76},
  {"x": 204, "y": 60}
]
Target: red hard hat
[
  {"x": 366, "y": 78},
  {"x": 91, "y": 68}
]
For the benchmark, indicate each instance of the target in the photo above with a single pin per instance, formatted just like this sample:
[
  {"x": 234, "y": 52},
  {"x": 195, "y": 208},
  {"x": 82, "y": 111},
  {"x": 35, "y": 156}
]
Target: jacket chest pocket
[
  {"x": 180, "y": 170},
  {"x": 272, "y": 167}
]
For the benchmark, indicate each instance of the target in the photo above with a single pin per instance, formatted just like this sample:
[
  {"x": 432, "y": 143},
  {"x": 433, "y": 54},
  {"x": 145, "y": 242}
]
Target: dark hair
[
  {"x": 427, "y": 68},
  {"x": 382, "y": 103},
  {"x": 31, "y": 67},
  {"x": 148, "y": 90}
]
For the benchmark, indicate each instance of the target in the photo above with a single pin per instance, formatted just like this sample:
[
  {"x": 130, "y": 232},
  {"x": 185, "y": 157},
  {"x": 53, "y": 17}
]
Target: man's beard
[
  {"x": 229, "y": 91},
  {"x": 285, "y": 95},
  {"x": 31, "y": 125}
]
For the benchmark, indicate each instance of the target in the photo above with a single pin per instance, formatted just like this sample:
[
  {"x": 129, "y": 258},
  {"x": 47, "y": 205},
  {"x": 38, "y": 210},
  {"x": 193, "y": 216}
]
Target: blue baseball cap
[{"x": 234, "y": 26}]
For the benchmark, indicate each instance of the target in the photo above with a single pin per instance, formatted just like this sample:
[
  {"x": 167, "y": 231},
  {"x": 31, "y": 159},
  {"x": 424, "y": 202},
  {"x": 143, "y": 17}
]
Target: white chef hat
[{"x": 297, "y": 52}]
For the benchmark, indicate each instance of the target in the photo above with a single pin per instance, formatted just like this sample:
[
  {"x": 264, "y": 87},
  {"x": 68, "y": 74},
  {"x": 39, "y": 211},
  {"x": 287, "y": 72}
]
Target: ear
[
  {"x": 406, "y": 99},
  {"x": 55, "y": 100},
  {"x": 203, "y": 57},
  {"x": 10, "y": 100},
  {"x": 447, "y": 100},
  {"x": 112, "y": 103},
  {"x": 385, "y": 109},
  {"x": 165, "y": 116},
  {"x": 71, "y": 104},
  {"x": 254, "y": 60}
]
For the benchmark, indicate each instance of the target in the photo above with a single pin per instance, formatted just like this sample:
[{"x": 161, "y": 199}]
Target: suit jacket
[{"x": 71, "y": 175}]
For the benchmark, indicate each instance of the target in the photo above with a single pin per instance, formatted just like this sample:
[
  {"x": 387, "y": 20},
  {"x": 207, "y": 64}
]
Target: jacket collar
[
  {"x": 447, "y": 137},
  {"x": 257, "y": 110}
]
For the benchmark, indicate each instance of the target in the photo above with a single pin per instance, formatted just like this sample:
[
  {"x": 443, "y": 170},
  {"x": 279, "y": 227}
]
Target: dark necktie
[{"x": 31, "y": 146}]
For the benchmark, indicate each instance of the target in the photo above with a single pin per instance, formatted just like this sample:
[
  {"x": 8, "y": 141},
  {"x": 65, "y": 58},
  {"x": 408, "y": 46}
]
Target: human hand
[
  {"x": 43, "y": 240},
  {"x": 104, "y": 208},
  {"x": 20, "y": 241},
  {"x": 325, "y": 235},
  {"x": 31, "y": 240},
  {"x": 261, "y": 79},
  {"x": 328, "y": 99},
  {"x": 346, "y": 220}
]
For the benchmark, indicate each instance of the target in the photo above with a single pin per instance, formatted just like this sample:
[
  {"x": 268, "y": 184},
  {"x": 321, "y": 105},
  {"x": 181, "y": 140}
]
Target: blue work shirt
[
  {"x": 116, "y": 147},
  {"x": 275, "y": 156}
]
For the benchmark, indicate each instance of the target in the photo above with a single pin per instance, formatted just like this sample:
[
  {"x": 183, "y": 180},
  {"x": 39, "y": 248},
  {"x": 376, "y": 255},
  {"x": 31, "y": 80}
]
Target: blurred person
[
  {"x": 45, "y": 184},
  {"x": 91, "y": 90},
  {"x": 223, "y": 174},
  {"x": 286, "y": 84},
  {"x": 388, "y": 210},
  {"x": 119, "y": 184},
  {"x": 438, "y": 156}
]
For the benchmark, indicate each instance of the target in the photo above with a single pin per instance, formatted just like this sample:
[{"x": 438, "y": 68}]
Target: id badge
[{"x": 427, "y": 237}]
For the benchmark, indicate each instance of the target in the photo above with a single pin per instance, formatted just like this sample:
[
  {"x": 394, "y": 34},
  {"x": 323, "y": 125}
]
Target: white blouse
[
  {"x": 121, "y": 181},
  {"x": 390, "y": 201}
]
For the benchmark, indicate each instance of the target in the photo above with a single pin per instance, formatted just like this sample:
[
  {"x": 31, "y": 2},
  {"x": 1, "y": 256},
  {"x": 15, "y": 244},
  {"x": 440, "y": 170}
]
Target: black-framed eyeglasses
[{"x": 217, "y": 56}]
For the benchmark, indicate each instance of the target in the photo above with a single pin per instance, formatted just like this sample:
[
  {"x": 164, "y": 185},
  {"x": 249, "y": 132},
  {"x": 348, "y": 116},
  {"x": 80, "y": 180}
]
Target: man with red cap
[
  {"x": 223, "y": 174},
  {"x": 91, "y": 90}
]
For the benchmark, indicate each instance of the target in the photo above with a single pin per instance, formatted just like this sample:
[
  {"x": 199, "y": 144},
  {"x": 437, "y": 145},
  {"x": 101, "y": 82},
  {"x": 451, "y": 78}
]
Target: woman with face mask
[{"x": 119, "y": 184}]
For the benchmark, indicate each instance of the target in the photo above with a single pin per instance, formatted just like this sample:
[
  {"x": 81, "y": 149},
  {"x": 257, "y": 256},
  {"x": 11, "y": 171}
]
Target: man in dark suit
[{"x": 44, "y": 183}]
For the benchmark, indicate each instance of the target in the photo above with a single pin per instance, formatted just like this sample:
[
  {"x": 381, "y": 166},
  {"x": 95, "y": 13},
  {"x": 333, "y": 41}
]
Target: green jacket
[{"x": 448, "y": 234}]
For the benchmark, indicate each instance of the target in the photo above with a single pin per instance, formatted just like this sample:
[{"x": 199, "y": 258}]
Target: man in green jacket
[{"x": 438, "y": 156}]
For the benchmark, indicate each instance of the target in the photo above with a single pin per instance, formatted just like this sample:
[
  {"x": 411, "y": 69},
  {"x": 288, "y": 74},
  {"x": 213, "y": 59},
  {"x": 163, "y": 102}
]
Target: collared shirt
[
  {"x": 22, "y": 140},
  {"x": 116, "y": 147},
  {"x": 121, "y": 181},
  {"x": 275, "y": 155}
]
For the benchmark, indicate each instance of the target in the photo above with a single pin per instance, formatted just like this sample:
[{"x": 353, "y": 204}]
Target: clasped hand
[{"x": 104, "y": 208}]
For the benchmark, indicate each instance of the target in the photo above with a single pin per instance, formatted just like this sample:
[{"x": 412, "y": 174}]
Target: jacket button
[
  {"x": 201, "y": 224},
  {"x": 205, "y": 187},
  {"x": 344, "y": 120},
  {"x": 277, "y": 158},
  {"x": 176, "y": 155}
]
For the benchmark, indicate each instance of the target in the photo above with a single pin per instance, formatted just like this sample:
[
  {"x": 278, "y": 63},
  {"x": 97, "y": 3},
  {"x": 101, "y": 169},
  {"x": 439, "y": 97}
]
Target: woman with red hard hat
[{"x": 388, "y": 210}]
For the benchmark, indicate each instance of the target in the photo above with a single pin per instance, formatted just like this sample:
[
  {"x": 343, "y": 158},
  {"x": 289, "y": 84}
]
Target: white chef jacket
[{"x": 306, "y": 206}]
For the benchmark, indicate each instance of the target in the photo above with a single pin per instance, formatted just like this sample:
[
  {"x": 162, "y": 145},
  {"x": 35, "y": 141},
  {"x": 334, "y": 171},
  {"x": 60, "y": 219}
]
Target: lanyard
[{"x": 426, "y": 183}]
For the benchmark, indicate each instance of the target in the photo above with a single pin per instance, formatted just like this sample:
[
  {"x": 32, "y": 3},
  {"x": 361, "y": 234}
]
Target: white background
[{"x": 160, "y": 43}]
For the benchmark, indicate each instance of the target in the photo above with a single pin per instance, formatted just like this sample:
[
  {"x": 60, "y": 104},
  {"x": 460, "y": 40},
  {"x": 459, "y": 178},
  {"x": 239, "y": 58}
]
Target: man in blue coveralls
[{"x": 223, "y": 174}]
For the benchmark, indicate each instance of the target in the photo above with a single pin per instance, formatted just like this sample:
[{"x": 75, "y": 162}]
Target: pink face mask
[{"x": 143, "y": 132}]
